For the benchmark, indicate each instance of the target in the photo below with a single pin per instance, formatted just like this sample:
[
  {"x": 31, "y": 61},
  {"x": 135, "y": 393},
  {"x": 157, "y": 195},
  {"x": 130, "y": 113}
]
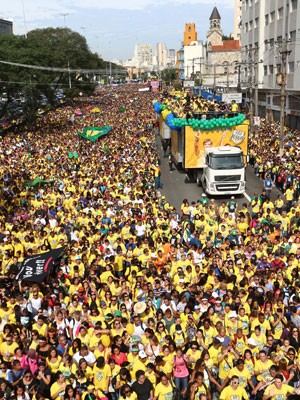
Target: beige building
[
  {"x": 222, "y": 57},
  {"x": 237, "y": 19}
]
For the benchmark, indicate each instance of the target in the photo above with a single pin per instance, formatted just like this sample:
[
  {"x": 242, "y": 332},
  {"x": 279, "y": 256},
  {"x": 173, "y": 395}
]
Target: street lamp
[
  {"x": 69, "y": 74},
  {"x": 64, "y": 15}
]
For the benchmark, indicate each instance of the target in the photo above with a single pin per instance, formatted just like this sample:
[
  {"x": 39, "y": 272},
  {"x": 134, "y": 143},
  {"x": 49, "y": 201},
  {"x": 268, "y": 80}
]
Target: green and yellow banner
[{"x": 93, "y": 133}]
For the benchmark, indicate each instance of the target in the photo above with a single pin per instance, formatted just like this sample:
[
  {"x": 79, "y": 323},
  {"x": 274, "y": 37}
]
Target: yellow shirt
[
  {"x": 244, "y": 376},
  {"x": 263, "y": 369},
  {"x": 101, "y": 377},
  {"x": 163, "y": 392},
  {"x": 279, "y": 394},
  {"x": 230, "y": 394},
  {"x": 7, "y": 351}
]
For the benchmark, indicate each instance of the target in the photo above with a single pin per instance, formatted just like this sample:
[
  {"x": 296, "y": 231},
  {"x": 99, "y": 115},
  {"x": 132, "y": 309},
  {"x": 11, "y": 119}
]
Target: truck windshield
[{"x": 222, "y": 161}]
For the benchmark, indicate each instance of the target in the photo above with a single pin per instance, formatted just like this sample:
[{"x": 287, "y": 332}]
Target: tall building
[
  {"x": 237, "y": 19},
  {"x": 190, "y": 34},
  {"x": 215, "y": 34},
  {"x": 171, "y": 58},
  {"x": 270, "y": 36},
  {"x": 143, "y": 56},
  {"x": 222, "y": 57},
  {"x": 6, "y": 27},
  {"x": 161, "y": 56},
  {"x": 191, "y": 54}
]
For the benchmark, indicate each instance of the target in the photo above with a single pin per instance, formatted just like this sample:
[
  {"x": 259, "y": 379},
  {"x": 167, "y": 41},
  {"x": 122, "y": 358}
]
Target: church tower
[
  {"x": 215, "y": 33},
  {"x": 190, "y": 34}
]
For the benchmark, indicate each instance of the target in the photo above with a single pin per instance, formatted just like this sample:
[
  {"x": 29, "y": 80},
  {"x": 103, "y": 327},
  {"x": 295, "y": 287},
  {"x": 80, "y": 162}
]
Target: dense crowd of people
[{"x": 147, "y": 302}]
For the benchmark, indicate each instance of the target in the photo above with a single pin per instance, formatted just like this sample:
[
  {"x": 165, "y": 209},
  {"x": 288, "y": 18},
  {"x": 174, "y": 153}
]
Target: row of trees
[{"x": 51, "y": 48}]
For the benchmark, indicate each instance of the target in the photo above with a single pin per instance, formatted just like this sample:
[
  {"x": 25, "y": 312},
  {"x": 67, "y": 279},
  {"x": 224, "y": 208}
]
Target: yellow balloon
[
  {"x": 130, "y": 328},
  {"x": 105, "y": 339}
]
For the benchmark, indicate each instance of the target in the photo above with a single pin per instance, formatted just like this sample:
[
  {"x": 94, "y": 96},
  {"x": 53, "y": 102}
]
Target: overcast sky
[{"x": 113, "y": 27}]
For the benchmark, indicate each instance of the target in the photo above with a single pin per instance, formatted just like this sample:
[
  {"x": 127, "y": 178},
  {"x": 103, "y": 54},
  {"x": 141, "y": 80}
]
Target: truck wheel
[{"x": 198, "y": 180}]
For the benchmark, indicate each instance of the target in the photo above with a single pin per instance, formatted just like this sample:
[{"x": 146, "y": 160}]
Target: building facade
[
  {"x": 161, "y": 56},
  {"x": 270, "y": 43},
  {"x": 6, "y": 27},
  {"x": 223, "y": 55},
  {"x": 237, "y": 19},
  {"x": 143, "y": 57}
]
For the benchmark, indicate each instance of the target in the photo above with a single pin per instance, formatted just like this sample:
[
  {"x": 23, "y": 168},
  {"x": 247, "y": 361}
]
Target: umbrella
[{"x": 95, "y": 110}]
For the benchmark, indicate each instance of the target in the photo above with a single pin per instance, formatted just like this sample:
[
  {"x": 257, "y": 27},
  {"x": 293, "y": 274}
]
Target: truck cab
[{"x": 224, "y": 171}]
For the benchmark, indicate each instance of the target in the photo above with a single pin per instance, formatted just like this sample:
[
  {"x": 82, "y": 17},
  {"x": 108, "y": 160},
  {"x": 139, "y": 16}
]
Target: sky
[{"x": 112, "y": 28}]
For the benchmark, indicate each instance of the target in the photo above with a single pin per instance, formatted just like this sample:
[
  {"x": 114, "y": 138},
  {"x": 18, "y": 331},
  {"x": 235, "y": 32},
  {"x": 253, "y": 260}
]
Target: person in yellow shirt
[
  {"x": 262, "y": 366},
  {"x": 7, "y": 348},
  {"x": 163, "y": 367},
  {"x": 164, "y": 390},
  {"x": 279, "y": 390},
  {"x": 234, "y": 390},
  {"x": 102, "y": 373},
  {"x": 243, "y": 373}
]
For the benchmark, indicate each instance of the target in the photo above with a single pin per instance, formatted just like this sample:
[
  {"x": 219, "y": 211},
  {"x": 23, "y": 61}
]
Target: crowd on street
[{"x": 148, "y": 302}]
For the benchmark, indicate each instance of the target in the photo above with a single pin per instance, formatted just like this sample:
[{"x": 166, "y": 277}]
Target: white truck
[
  {"x": 223, "y": 172},
  {"x": 215, "y": 158}
]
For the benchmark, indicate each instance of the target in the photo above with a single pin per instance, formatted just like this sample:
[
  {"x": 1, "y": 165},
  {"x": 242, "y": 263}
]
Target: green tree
[
  {"x": 51, "y": 48},
  {"x": 169, "y": 75}
]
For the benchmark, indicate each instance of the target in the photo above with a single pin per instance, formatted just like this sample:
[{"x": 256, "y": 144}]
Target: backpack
[
  {"x": 177, "y": 395},
  {"x": 114, "y": 381},
  {"x": 275, "y": 316}
]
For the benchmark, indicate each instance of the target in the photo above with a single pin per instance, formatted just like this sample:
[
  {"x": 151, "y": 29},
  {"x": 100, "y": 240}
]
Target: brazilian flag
[{"x": 93, "y": 133}]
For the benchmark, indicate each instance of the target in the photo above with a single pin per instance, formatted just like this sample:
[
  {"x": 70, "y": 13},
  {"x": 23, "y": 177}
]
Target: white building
[
  {"x": 194, "y": 56},
  {"x": 171, "y": 61},
  {"x": 143, "y": 57},
  {"x": 161, "y": 56},
  {"x": 270, "y": 32}
]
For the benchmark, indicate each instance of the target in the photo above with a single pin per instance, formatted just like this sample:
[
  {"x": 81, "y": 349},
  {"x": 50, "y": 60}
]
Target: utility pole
[
  {"x": 250, "y": 63},
  {"x": 281, "y": 81},
  {"x": 256, "y": 89},
  {"x": 237, "y": 69}
]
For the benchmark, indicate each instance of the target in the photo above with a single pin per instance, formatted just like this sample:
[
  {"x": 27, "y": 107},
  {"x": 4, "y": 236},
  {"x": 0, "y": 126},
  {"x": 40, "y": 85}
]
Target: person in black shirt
[{"x": 142, "y": 386}]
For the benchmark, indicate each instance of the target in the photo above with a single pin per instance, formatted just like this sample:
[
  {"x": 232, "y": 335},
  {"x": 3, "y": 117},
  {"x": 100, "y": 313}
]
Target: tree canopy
[{"x": 52, "y": 48}]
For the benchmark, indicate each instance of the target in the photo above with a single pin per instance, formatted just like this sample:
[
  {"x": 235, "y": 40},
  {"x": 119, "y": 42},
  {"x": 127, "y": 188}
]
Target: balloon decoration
[
  {"x": 203, "y": 124},
  {"x": 157, "y": 107},
  {"x": 130, "y": 329},
  {"x": 208, "y": 124},
  {"x": 105, "y": 340}
]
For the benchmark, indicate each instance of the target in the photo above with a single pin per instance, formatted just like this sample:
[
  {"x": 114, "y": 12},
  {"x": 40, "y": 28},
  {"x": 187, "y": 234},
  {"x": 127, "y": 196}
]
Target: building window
[
  {"x": 267, "y": 19},
  {"x": 271, "y": 69},
  {"x": 294, "y": 5},
  {"x": 278, "y": 68},
  {"x": 266, "y": 45},
  {"x": 280, "y": 13},
  {"x": 256, "y": 22},
  {"x": 293, "y": 36},
  {"x": 265, "y": 70},
  {"x": 250, "y": 25},
  {"x": 271, "y": 42},
  {"x": 279, "y": 39},
  {"x": 272, "y": 16},
  {"x": 291, "y": 67},
  {"x": 246, "y": 27}
]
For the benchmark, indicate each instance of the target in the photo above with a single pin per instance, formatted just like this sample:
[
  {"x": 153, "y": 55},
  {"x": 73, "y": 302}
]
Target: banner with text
[{"x": 37, "y": 268}]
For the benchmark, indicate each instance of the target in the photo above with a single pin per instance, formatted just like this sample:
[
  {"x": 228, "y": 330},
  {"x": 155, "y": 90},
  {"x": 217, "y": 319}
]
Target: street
[{"x": 177, "y": 186}]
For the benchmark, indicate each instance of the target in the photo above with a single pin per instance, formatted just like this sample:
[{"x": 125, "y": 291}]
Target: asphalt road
[{"x": 177, "y": 187}]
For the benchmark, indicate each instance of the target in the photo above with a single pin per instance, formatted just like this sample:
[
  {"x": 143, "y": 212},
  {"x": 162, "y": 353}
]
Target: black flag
[{"x": 37, "y": 268}]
